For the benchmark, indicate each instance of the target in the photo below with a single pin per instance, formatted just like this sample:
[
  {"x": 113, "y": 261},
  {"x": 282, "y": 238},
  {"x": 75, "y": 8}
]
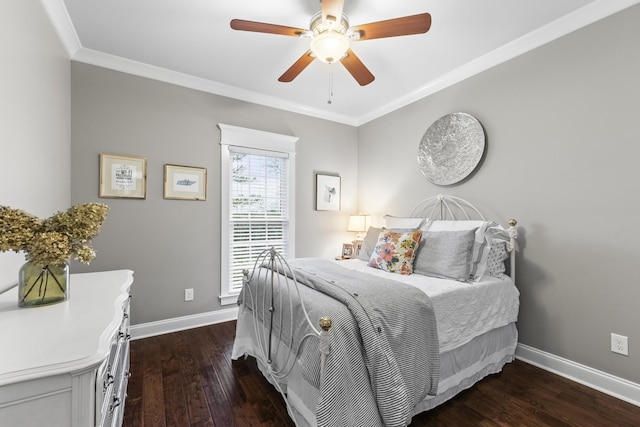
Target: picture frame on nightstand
[
  {"x": 347, "y": 250},
  {"x": 357, "y": 247}
]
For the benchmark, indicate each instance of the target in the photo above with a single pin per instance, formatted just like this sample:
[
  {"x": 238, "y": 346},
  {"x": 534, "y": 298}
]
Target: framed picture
[
  {"x": 347, "y": 250},
  {"x": 327, "y": 193},
  {"x": 357, "y": 247},
  {"x": 185, "y": 182},
  {"x": 123, "y": 176}
]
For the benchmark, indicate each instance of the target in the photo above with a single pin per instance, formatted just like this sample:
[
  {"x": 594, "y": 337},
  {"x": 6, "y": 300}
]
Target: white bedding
[{"x": 463, "y": 310}]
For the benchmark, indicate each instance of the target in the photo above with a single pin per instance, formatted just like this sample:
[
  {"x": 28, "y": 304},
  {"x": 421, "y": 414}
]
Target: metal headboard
[
  {"x": 455, "y": 208},
  {"x": 446, "y": 207}
]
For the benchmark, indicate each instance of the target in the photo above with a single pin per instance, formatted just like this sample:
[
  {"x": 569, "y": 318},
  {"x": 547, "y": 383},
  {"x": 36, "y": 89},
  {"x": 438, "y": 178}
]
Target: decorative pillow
[
  {"x": 395, "y": 251},
  {"x": 369, "y": 243},
  {"x": 445, "y": 254},
  {"x": 399, "y": 223},
  {"x": 497, "y": 256},
  {"x": 481, "y": 245}
]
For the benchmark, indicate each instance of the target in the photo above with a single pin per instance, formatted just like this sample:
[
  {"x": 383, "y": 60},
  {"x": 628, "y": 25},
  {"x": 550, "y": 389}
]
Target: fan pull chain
[{"x": 329, "y": 101}]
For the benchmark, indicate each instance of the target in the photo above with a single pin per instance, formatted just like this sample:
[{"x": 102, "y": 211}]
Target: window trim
[{"x": 257, "y": 140}]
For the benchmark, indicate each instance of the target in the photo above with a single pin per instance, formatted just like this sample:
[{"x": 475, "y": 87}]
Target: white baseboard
[
  {"x": 144, "y": 330},
  {"x": 598, "y": 380}
]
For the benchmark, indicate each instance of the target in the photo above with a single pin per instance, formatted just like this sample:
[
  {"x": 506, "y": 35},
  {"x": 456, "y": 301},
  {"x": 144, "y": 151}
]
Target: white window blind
[
  {"x": 259, "y": 208},
  {"x": 258, "y": 201}
]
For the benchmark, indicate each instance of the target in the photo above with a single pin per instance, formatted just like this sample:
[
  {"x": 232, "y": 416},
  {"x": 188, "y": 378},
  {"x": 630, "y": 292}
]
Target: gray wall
[
  {"x": 562, "y": 158},
  {"x": 174, "y": 244},
  {"x": 34, "y": 124}
]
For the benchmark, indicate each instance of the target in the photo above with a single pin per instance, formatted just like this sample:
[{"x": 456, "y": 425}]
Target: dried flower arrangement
[{"x": 53, "y": 240}]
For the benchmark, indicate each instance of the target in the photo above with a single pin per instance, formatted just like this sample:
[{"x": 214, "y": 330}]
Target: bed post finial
[
  {"x": 513, "y": 233},
  {"x": 325, "y": 323},
  {"x": 325, "y": 344}
]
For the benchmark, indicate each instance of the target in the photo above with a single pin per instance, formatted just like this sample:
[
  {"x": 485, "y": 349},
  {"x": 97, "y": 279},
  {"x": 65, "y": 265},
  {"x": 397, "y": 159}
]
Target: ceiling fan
[{"x": 331, "y": 37}]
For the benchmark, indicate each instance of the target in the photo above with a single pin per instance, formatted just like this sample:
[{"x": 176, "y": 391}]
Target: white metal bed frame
[{"x": 264, "y": 305}]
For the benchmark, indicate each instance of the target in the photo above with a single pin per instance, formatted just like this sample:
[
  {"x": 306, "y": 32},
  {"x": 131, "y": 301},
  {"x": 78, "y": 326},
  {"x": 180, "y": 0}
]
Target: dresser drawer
[
  {"x": 113, "y": 374},
  {"x": 116, "y": 408}
]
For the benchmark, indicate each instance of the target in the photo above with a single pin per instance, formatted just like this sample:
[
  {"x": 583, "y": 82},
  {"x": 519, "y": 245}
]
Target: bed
[{"x": 426, "y": 310}]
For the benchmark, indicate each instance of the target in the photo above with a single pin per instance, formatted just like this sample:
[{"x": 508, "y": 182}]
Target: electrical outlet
[
  {"x": 620, "y": 344},
  {"x": 188, "y": 294}
]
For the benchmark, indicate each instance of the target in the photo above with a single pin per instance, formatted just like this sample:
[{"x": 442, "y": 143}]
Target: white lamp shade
[{"x": 359, "y": 223}]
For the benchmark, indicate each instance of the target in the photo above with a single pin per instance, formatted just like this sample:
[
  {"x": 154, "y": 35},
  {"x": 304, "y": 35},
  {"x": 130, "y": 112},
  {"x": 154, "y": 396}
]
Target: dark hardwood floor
[{"x": 187, "y": 379}]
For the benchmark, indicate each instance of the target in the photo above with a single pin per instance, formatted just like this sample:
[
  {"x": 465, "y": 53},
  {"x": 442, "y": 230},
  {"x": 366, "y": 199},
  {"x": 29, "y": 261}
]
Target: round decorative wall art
[{"x": 451, "y": 148}]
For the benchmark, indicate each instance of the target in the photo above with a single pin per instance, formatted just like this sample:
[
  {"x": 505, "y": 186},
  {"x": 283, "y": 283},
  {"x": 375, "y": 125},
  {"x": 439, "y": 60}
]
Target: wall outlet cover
[{"x": 620, "y": 344}]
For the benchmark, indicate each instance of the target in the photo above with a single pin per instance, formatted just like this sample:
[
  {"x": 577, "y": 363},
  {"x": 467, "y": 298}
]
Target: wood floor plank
[
  {"x": 153, "y": 403},
  {"x": 217, "y": 401},
  {"x": 133, "y": 405},
  {"x": 176, "y": 414},
  {"x": 188, "y": 379},
  {"x": 191, "y": 363}
]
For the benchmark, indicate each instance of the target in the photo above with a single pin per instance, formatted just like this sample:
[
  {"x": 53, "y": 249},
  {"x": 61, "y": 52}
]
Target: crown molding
[
  {"x": 578, "y": 19},
  {"x": 57, "y": 13},
  {"x": 140, "y": 69},
  {"x": 59, "y": 17}
]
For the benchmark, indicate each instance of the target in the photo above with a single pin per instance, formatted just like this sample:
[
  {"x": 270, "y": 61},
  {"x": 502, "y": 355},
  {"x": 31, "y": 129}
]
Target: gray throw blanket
[{"x": 399, "y": 342}]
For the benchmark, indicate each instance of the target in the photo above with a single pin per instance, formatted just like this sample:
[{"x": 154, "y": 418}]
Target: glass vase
[{"x": 38, "y": 285}]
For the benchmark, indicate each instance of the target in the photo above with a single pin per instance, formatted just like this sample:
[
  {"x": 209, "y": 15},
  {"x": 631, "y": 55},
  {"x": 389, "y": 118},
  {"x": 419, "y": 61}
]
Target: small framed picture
[
  {"x": 185, "y": 182},
  {"x": 357, "y": 247},
  {"x": 347, "y": 250},
  {"x": 327, "y": 193},
  {"x": 123, "y": 176}
]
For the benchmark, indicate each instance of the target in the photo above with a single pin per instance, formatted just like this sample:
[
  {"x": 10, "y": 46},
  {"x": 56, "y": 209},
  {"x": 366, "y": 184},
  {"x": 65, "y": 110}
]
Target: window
[{"x": 257, "y": 201}]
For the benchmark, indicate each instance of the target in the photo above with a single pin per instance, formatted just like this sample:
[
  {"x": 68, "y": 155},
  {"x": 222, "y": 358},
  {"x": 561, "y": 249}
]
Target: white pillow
[
  {"x": 369, "y": 243},
  {"x": 481, "y": 243},
  {"x": 399, "y": 223}
]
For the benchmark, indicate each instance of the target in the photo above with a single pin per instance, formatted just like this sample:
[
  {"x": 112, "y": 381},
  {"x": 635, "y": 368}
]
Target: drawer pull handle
[
  {"x": 110, "y": 379},
  {"x": 114, "y": 405}
]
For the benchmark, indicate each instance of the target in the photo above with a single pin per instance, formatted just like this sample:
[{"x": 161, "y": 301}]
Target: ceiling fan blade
[
  {"x": 261, "y": 27},
  {"x": 414, "y": 24},
  {"x": 357, "y": 69},
  {"x": 297, "y": 67},
  {"x": 332, "y": 8}
]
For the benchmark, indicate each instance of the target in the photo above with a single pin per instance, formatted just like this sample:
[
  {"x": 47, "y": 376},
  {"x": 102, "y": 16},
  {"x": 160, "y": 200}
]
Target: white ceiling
[{"x": 190, "y": 42}]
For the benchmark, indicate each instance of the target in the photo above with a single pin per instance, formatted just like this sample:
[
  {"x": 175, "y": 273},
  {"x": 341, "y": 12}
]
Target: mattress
[{"x": 463, "y": 310}]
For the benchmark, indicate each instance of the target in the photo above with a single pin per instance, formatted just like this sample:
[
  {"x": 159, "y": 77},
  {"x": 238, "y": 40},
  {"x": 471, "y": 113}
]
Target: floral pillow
[{"x": 395, "y": 251}]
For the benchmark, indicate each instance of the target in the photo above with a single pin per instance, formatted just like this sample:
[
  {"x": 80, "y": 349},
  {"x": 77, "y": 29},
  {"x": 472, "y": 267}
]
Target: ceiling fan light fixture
[{"x": 329, "y": 46}]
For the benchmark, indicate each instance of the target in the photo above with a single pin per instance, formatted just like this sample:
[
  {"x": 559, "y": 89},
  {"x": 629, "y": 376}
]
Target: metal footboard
[{"x": 273, "y": 303}]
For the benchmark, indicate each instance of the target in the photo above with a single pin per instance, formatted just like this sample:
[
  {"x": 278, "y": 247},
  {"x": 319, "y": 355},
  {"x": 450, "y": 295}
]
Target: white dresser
[{"x": 67, "y": 364}]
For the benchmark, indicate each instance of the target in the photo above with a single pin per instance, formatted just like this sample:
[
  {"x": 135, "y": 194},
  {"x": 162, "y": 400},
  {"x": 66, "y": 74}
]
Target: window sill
[{"x": 228, "y": 299}]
